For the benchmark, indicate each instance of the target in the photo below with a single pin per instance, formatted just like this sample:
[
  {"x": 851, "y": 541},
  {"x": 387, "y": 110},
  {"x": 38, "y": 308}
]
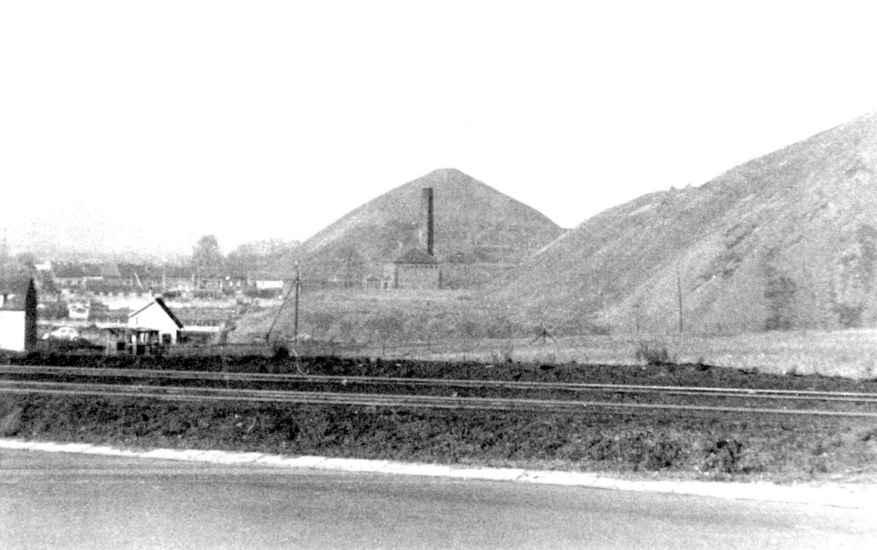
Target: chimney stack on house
[{"x": 427, "y": 205}]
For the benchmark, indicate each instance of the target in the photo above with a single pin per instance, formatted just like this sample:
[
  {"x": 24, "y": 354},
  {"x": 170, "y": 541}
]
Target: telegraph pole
[
  {"x": 679, "y": 298},
  {"x": 296, "y": 288},
  {"x": 295, "y": 313},
  {"x": 636, "y": 313}
]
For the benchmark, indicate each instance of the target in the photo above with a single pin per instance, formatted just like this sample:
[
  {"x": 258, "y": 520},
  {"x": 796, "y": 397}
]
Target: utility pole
[
  {"x": 636, "y": 313},
  {"x": 679, "y": 297},
  {"x": 295, "y": 314},
  {"x": 295, "y": 288}
]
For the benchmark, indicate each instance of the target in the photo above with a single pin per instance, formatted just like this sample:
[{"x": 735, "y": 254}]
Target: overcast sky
[{"x": 148, "y": 124}]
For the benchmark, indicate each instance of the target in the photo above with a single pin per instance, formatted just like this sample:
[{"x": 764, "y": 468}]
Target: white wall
[
  {"x": 130, "y": 301},
  {"x": 12, "y": 330},
  {"x": 154, "y": 317},
  {"x": 269, "y": 285}
]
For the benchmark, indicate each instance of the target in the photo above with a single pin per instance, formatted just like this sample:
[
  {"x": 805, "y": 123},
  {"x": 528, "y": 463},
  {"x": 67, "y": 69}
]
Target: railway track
[
  {"x": 786, "y": 402},
  {"x": 149, "y": 374},
  {"x": 183, "y": 393}
]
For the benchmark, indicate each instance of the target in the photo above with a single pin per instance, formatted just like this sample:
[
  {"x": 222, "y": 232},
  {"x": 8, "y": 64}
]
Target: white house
[
  {"x": 268, "y": 284},
  {"x": 18, "y": 316},
  {"x": 157, "y": 316}
]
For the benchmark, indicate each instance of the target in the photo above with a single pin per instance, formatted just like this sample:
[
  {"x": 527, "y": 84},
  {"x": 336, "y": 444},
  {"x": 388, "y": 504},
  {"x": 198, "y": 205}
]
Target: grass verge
[{"x": 670, "y": 444}]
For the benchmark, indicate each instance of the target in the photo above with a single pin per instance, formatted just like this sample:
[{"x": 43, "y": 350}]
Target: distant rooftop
[
  {"x": 13, "y": 293},
  {"x": 415, "y": 256}
]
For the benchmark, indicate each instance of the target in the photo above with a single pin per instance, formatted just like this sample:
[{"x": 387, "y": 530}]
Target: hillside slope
[
  {"x": 788, "y": 240},
  {"x": 474, "y": 224}
]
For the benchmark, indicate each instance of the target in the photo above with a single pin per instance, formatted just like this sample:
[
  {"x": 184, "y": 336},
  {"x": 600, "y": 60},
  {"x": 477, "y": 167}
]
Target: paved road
[{"x": 78, "y": 501}]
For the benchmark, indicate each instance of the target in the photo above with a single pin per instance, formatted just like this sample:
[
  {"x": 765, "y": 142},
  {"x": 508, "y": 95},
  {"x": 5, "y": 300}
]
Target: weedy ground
[
  {"x": 849, "y": 353},
  {"x": 677, "y": 445},
  {"x": 669, "y": 444}
]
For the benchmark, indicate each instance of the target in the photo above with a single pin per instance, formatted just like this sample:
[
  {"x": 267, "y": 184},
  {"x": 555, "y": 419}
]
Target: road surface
[{"x": 78, "y": 501}]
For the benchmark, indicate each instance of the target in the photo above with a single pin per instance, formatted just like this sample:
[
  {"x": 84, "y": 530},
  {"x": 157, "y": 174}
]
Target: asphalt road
[{"x": 79, "y": 501}]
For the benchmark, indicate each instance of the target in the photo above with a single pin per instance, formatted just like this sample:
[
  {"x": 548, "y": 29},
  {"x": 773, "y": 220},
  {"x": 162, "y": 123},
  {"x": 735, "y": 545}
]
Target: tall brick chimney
[{"x": 427, "y": 218}]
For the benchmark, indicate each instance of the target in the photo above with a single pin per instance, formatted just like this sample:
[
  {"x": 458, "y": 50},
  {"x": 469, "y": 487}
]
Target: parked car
[{"x": 62, "y": 333}]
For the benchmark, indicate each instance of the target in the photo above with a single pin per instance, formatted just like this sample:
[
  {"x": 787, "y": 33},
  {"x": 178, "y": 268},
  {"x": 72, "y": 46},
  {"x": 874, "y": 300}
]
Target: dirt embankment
[
  {"x": 682, "y": 444},
  {"x": 674, "y": 444}
]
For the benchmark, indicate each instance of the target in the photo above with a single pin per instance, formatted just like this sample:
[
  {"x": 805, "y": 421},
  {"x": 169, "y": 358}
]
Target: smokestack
[{"x": 426, "y": 203}]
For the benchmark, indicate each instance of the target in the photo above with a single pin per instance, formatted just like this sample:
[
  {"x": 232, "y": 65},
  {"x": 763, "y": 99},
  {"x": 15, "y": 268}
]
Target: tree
[
  {"x": 206, "y": 257},
  {"x": 352, "y": 266},
  {"x": 26, "y": 260},
  {"x": 386, "y": 325},
  {"x": 259, "y": 255},
  {"x": 320, "y": 322}
]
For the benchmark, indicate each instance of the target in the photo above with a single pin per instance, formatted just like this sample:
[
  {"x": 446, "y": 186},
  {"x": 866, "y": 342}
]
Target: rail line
[
  {"x": 683, "y": 391},
  {"x": 196, "y": 394}
]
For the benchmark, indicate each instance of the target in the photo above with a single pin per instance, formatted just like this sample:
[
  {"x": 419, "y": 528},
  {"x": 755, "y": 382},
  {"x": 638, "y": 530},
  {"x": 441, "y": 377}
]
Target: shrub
[
  {"x": 503, "y": 355},
  {"x": 653, "y": 354},
  {"x": 662, "y": 455},
  {"x": 723, "y": 456}
]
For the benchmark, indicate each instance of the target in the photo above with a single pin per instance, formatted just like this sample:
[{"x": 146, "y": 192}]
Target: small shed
[
  {"x": 18, "y": 315},
  {"x": 370, "y": 282},
  {"x": 157, "y": 316}
]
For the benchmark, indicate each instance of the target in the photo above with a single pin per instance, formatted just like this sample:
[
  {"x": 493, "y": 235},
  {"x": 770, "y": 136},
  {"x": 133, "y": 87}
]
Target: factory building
[{"x": 417, "y": 268}]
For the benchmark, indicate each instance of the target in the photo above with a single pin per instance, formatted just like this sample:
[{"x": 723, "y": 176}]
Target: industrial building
[{"x": 417, "y": 268}]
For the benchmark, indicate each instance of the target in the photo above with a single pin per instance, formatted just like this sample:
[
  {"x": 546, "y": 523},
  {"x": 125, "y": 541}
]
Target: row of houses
[
  {"x": 105, "y": 277},
  {"x": 124, "y": 278}
]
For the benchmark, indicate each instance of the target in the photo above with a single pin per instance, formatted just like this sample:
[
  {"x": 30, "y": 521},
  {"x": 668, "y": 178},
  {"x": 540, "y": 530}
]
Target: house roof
[
  {"x": 74, "y": 270},
  {"x": 68, "y": 271},
  {"x": 14, "y": 293},
  {"x": 109, "y": 270},
  {"x": 177, "y": 272},
  {"x": 140, "y": 271},
  {"x": 163, "y": 306},
  {"x": 415, "y": 256},
  {"x": 92, "y": 270},
  {"x": 111, "y": 285},
  {"x": 270, "y": 275}
]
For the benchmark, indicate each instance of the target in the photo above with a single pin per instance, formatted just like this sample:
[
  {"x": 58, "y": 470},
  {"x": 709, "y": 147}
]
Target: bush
[
  {"x": 503, "y": 355},
  {"x": 723, "y": 457},
  {"x": 653, "y": 354},
  {"x": 662, "y": 455}
]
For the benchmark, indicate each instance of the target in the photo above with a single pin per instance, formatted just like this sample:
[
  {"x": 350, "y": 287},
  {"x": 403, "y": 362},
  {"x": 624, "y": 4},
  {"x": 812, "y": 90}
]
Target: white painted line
[{"x": 843, "y": 495}]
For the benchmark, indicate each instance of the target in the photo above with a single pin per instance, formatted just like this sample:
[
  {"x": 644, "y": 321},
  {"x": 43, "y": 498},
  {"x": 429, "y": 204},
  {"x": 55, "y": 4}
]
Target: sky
[{"x": 144, "y": 125}]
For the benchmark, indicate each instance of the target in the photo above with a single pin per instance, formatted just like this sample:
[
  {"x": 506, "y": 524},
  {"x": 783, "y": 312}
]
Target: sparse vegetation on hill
[
  {"x": 474, "y": 224},
  {"x": 385, "y": 318},
  {"x": 786, "y": 241}
]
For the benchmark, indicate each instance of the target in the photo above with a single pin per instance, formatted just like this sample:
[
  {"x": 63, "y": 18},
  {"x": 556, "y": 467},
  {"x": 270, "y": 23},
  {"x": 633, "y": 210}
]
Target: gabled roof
[
  {"x": 415, "y": 256},
  {"x": 15, "y": 285},
  {"x": 68, "y": 271},
  {"x": 92, "y": 269},
  {"x": 163, "y": 306},
  {"x": 13, "y": 293},
  {"x": 177, "y": 272},
  {"x": 141, "y": 271},
  {"x": 111, "y": 285},
  {"x": 109, "y": 270}
]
